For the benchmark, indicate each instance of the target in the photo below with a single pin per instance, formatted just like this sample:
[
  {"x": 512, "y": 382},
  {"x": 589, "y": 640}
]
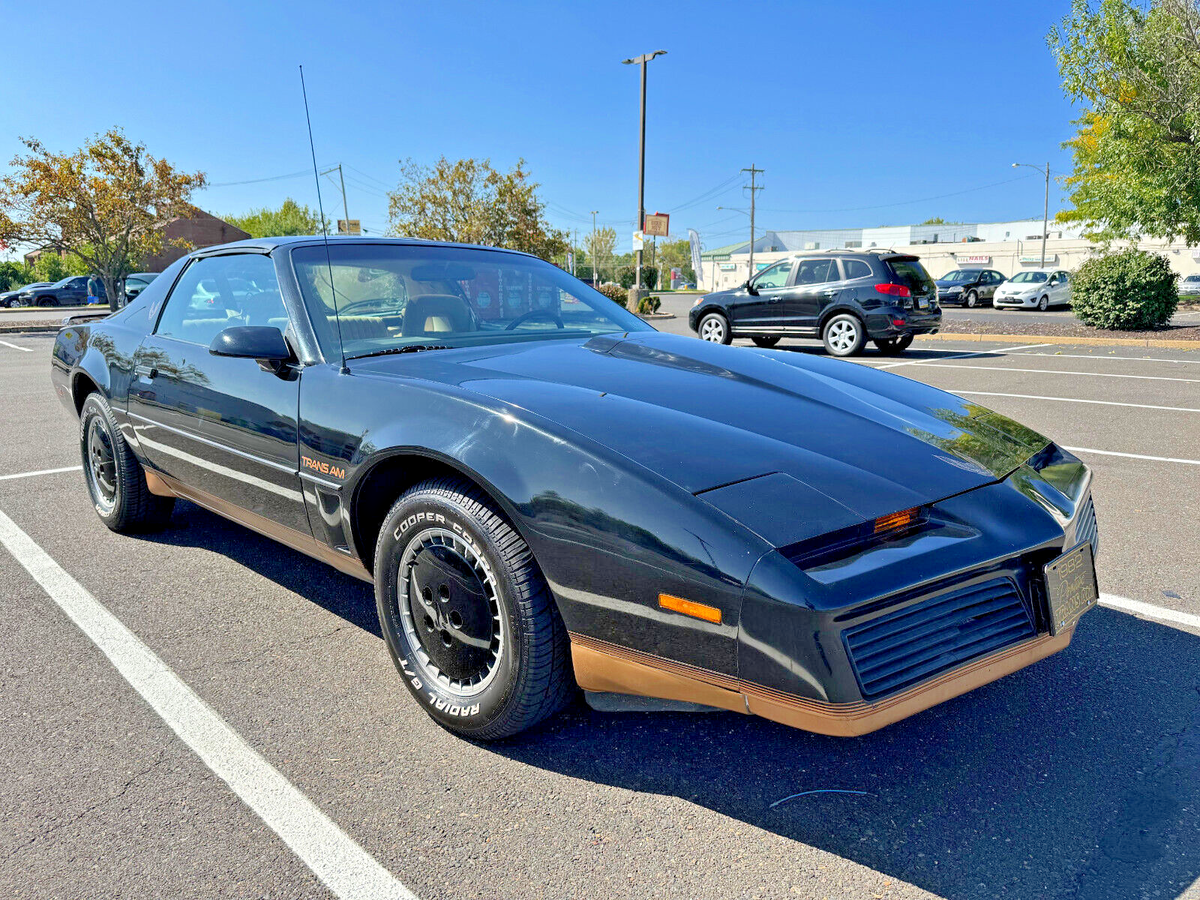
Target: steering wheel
[{"x": 552, "y": 315}]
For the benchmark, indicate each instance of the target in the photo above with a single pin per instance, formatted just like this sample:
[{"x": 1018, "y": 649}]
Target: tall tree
[
  {"x": 676, "y": 255},
  {"x": 1135, "y": 70},
  {"x": 290, "y": 219},
  {"x": 471, "y": 202},
  {"x": 104, "y": 204},
  {"x": 600, "y": 246}
]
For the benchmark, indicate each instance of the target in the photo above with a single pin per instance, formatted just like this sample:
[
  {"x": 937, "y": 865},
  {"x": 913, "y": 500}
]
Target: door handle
[
  {"x": 145, "y": 371},
  {"x": 830, "y": 292},
  {"x": 773, "y": 299}
]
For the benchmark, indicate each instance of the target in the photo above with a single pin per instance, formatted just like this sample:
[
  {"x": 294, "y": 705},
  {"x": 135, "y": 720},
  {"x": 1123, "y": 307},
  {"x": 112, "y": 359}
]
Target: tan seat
[
  {"x": 437, "y": 314},
  {"x": 362, "y": 328}
]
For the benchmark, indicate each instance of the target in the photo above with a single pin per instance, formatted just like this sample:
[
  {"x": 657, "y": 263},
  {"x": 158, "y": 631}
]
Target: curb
[
  {"x": 30, "y": 328},
  {"x": 1162, "y": 343}
]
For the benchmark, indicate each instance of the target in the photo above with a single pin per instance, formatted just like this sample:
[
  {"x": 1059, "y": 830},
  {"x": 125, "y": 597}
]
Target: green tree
[
  {"x": 289, "y": 219},
  {"x": 104, "y": 204},
  {"x": 471, "y": 202},
  {"x": 14, "y": 275},
  {"x": 1135, "y": 70},
  {"x": 49, "y": 266},
  {"x": 600, "y": 246},
  {"x": 676, "y": 255}
]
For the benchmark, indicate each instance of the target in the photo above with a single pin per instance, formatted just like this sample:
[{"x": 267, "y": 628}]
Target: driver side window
[
  {"x": 216, "y": 292},
  {"x": 774, "y": 277}
]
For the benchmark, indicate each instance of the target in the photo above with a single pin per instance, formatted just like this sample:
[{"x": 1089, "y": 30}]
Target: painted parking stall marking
[
  {"x": 947, "y": 365},
  {"x": 1078, "y": 400},
  {"x": 15, "y": 347},
  {"x": 333, "y": 856},
  {"x": 923, "y": 362},
  {"x": 40, "y": 472},
  {"x": 1169, "y": 459}
]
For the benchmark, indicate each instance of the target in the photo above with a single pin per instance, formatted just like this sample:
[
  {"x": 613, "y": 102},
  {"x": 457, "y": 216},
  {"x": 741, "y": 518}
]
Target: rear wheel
[
  {"x": 714, "y": 327},
  {"x": 46, "y": 301},
  {"x": 894, "y": 346},
  {"x": 844, "y": 335},
  {"x": 765, "y": 341},
  {"x": 115, "y": 479},
  {"x": 467, "y": 615}
]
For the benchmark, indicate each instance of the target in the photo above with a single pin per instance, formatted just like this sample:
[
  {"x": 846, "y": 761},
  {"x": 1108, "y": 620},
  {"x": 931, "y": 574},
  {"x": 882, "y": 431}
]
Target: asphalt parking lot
[{"x": 1076, "y": 778}]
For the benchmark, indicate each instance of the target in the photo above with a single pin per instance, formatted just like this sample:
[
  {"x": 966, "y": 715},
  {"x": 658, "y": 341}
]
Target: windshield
[
  {"x": 962, "y": 276},
  {"x": 394, "y": 296},
  {"x": 64, "y": 282},
  {"x": 1028, "y": 277}
]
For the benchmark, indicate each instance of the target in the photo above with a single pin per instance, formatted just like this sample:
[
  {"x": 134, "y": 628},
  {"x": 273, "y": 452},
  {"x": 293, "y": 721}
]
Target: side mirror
[
  {"x": 132, "y": 292},
  {"x": 259, "y": 342},
  {"x": 750, "y": 288}
]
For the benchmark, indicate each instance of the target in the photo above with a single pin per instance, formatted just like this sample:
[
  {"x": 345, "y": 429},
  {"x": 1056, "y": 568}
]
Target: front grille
[
  {"x": 907, "y": 646},
  {"x": 1086, "y": 528}
]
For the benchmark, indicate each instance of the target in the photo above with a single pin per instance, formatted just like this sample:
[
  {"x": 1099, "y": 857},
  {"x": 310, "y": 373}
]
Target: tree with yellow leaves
[{"x": 105, "y": 204}]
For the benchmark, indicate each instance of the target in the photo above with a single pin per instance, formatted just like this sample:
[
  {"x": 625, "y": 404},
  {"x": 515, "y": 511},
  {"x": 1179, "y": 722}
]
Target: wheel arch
[
  {"x": 389, "y": 474},
  {"x": 82, "y": 384},
  {"x": 838, "y": 310}
]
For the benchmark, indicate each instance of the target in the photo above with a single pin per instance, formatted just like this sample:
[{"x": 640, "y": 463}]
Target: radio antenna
[{"x": 324, "y": 225}]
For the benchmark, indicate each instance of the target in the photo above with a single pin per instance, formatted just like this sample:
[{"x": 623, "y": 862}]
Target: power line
[{"x": 257, "y": 180}]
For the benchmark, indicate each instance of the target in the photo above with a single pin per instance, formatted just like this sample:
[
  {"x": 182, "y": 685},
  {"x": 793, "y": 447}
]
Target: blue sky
[{"x": 861, "y": 114}]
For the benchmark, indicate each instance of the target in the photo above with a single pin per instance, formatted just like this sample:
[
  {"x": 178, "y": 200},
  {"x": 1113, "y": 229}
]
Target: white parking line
[
  {"x": 15, "y": 347},
  {"x": 1170, "y": 459},
  {"x": 1076, "y": 400},
  {"x": 922, "y": 362},
  {"x": 1107, "y": 358},
  {"x": 341, "y": 864},
  {"x": 1149, "y": 610},
  {"x": 41, "y": 472},
  {"x": 938, "y": 365}
]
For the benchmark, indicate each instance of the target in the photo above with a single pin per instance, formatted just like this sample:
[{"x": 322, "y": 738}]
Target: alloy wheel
[
  {"x": 843, "y": 335},
  {"x": 713, "y": 329}
]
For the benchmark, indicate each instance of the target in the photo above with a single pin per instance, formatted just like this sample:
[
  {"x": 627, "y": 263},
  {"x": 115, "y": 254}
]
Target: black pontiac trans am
[{"x": 548, "y": 494}]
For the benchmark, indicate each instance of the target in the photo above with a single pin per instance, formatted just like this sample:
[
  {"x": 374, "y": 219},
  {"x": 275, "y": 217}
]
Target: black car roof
[{"x": 270, "y": 244}]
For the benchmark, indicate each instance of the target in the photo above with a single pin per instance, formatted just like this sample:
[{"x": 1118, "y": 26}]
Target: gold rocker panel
[
  {"x": 165, "y": 486},
  {"x": 601, "y": 666}
]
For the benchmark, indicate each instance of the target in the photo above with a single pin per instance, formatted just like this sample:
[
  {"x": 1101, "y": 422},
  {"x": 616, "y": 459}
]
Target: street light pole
[
  {"x": 1045, "y": 206},
  {"x": 641, "y": 219},
  {"x": 595, "y": 283}
]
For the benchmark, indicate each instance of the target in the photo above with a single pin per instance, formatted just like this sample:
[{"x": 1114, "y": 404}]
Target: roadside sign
[
  {"x": 658, "y": 224},
  {"x": 639, "y": 241},
  {"x": 349, "y": 226}
]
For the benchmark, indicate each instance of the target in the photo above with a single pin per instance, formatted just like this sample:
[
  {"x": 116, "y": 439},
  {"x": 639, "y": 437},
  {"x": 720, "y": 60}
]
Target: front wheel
[
  {"x": 765, "y": 342},
  {"x": 115, "y": 479},
  {"x": 894, "y": 346},
  {"x": 46, "y": 302},
  {"x": 714, "y": 327},
  {"x": 467, "y": 615},
  {"x": 1043, "y": 304},
  {"x": 844, "y": 335},
  {"x": 972, "y": 300}
]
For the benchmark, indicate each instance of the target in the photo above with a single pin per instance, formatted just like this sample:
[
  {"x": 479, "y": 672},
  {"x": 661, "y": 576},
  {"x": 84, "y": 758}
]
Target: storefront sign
[
  {"x": 1035, "y": 259},
  {"x": 973, "y": 260},
  {"x": 658, "y": 224},
  {"x": 728, "y": 267}
]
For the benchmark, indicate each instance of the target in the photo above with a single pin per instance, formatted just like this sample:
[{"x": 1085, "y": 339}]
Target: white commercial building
[{"x": 1007, "y": 247}]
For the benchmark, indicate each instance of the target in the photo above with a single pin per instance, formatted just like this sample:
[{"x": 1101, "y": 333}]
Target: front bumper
[{"x": 1015, "y": 302}]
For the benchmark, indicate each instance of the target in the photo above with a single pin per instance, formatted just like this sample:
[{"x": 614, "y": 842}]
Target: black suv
[{"x": 843, "y": 297}]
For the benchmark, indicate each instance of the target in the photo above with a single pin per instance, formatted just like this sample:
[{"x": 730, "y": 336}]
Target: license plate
[
  {"x": 1071, "y": 587},
  {"x": 922, "y": 303}
]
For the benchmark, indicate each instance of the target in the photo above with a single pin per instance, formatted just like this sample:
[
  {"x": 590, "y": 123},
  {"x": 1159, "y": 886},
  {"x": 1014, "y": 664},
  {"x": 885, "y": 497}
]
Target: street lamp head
[
  {"x": 644, "y": 58},
  {"x": 1015, "y": 165}
]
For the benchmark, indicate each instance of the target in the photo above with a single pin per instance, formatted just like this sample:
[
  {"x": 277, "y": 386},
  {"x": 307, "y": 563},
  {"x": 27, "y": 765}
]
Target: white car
[{"x": 1036, "y": 289}]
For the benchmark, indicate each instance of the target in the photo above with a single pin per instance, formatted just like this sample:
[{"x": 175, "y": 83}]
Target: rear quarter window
[{"x": 856, "y": 268}]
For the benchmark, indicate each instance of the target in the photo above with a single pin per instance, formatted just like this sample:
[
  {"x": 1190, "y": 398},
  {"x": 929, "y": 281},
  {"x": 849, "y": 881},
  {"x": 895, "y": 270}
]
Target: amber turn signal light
[
  {"x": 690, "y": 608},
  {"x": 896, "y": 520}
]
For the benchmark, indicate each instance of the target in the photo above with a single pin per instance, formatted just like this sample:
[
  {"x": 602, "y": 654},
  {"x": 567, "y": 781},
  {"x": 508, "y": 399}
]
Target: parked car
[
  {"x": 137, "y": 282},
  {"x": 845, "y": 298},
  {"x": 547, "y": 493},
  {"x": 1190, "y": 286},
  {"x": 1034, "y": 289},
  {"x": 969, "y": 287},
  {"x": 70, "y": 291},
  {"x": 12, "y": 298}
]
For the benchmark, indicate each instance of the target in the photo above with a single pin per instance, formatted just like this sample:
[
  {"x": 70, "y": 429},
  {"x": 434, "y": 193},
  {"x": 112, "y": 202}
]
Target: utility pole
[
  {"x": 574, "y": 250},
  {"x": 754, "y": 189},
  {"x": 641, "y": 219},
  {"x": 345, "y": 206},
  {"x": 595, "y": 253}
]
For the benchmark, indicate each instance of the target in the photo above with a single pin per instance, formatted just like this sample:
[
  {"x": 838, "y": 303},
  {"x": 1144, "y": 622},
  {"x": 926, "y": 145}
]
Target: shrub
[
  {"x": 648, "y": 305},
  {"x": 1129, "y": 290},
  {"x": 614, "y": 292}
]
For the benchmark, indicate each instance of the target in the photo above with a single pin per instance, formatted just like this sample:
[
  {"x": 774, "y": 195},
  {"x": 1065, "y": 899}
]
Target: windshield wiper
[{"x": 411, "y": 348}]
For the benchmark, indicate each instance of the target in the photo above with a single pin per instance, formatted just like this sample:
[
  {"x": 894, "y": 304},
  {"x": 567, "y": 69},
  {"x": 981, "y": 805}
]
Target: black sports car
[{"x": 548, "y": 493}]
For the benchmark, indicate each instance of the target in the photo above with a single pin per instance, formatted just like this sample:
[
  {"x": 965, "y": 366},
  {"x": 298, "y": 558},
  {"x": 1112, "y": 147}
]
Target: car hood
[{"x": 705, "y": 415}]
